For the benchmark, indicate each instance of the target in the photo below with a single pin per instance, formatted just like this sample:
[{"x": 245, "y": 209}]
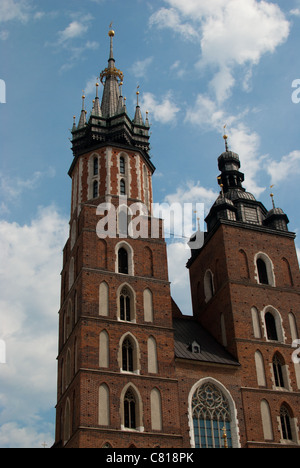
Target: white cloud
[
  {"x": 30, "y": 262},
  {"x": 163, "y": 111},
  {"x": 140, "y": 67},
  {"x": 288, "y": 166},
  {"x": 12, "y": 188},
  {"x": 73, "y": 30},
  {"x": 14, "y": 10},
  {"x": 209, "y": 115},
  {"x": 230, "y": 33},
  {"x": 178, "y": 256}
]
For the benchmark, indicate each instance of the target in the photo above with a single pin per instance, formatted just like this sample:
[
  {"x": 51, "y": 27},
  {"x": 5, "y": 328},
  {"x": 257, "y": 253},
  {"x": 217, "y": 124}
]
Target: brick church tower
[
  {"x": 116, "y": 345},
  {"x": 245, "y": 289},
  {"x": 133, "y": 371}
]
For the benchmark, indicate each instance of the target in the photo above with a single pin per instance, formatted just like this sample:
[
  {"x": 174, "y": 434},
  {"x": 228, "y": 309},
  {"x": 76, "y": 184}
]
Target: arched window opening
[
  {"x": 96, "y": 167},
  {"x": 130, "y": 410},
  {"x": 211, "y": 417},
  {"x": 278, "y": 370},
  {"x": 95, "y": 189},
  {"x": 127, "y": 356},
  {"x": 125, "y": 305},
  {"x": 262, "y": 271},
  {"x": 271, "y": 327},
  {"x": 122, "y": 165},
  {"x": 285, "y": 421},
  {"x": 123, "y": 261},
  {"x": 209, "y": 289},
  {"x": 122, "y": 187}
]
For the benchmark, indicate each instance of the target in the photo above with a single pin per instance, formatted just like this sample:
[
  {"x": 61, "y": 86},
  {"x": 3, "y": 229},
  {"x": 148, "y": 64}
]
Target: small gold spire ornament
[
  {"x": 225, "y": 138},
  {"x": 224, "y": 437}
]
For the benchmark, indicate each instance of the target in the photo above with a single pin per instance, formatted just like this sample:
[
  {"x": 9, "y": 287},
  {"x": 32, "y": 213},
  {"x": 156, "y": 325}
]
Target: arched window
[
  {"x": 127, "y": 355},
  {"x": 286, "y": 423},
  {"x": 122, "y": 165},
  {"x": 130, "y": 410},
  {"x": 95, "y": 189},
  {"x": 211, "y": 417},
  {"x": 279, "y": 371},
  {"x": 209, "y": 289},
  {"x": 122, "y": 187},
  {"x": 271, "y": 327},
  {"x": 123, "y": 261},
  {"x": 262, "y": 271},
  {"x": 96, "y": 166},
  {"x": 125, "y": 305}
]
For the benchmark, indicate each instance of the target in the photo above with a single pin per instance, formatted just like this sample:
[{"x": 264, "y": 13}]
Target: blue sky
[{"x": 200, "y": 64}]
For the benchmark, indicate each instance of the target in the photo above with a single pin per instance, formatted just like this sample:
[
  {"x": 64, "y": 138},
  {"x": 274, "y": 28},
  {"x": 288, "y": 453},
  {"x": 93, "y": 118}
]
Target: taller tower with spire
[{"x": 116, "y": 346}]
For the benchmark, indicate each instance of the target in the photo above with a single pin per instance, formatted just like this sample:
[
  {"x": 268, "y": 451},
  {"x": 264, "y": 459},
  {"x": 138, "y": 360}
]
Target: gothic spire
[
  {"x": 138, "y": 118},
  {"x": 96, "y": 112},
  {"x": 110, "y": 77},
  {"x": 82, "y": 120}
]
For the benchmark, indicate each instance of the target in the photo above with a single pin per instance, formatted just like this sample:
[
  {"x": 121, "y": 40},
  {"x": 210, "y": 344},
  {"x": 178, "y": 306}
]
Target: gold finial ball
[
  {"x": 225, "y": 137},
  {"x": 111, "y": 33}
]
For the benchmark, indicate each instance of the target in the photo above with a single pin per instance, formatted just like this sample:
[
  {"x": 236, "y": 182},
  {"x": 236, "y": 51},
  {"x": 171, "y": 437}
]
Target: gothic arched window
[
  {"x": 271, "y": 327},
  {"x": 123, "y": 260},
  {"x": 122, "y": 165},
  {"x": 95, "y": 189},
  {"x": 262, "y": 271},
  {"x": 127, "y": 355},
  {"x": 122, "y": 187},
  {"x": 130, "y": 410},
  {"x": 286, "y": 426},
  {"x": 279, "y": 371},
  {"x": 211, "y": 417},
  {"x": 125, "y": 305},
  {"x": 96, "y": 166}
]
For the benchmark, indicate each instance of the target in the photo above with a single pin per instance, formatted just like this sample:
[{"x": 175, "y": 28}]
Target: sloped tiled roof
[{"x": 188, "y": 331}]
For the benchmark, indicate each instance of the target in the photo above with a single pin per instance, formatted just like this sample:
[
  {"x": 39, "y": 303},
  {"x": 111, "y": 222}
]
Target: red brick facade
[{"x": 134, "y": 372}]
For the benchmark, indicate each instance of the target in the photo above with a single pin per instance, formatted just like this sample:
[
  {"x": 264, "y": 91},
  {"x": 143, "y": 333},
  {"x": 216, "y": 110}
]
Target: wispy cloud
[
  {"x": 162, "y": 110},
  {"x": 14, "y": 10},
  {"x": 140, "y": 67},
  {"x": 70, "y": 39}
]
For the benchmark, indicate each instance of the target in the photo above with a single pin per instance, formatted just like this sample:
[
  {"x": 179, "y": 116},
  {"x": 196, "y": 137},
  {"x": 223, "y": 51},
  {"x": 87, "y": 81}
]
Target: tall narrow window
[
  {"x": 125, "y": 305},
  {"x": 123, "y": 260},
  {"x": 127, "y": 356},
  {"x": 278, "y": 370},
  {"x": 211, "y": 414},
  {"x": 285, "y": 420},
  {"x": 122, "y": 187},
  {"x": 209, "y": 289},
  {"x": 96, "y": 167},
  {"x": 262, "y": 271},
  {"x": 130, "y": 410},
  {"x": 271, "y": 327},
  {"x": 122, "y": 165},
  {"x": 95, "y": 189}
]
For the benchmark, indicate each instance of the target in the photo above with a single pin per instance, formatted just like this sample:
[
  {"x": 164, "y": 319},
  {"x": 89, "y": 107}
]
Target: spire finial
[
  {"x": 272, "y": 197},
  {"x": 83, "y": 100},
  {"x": 137, "y": 95},
  {"x": 225, "y": 138}
]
